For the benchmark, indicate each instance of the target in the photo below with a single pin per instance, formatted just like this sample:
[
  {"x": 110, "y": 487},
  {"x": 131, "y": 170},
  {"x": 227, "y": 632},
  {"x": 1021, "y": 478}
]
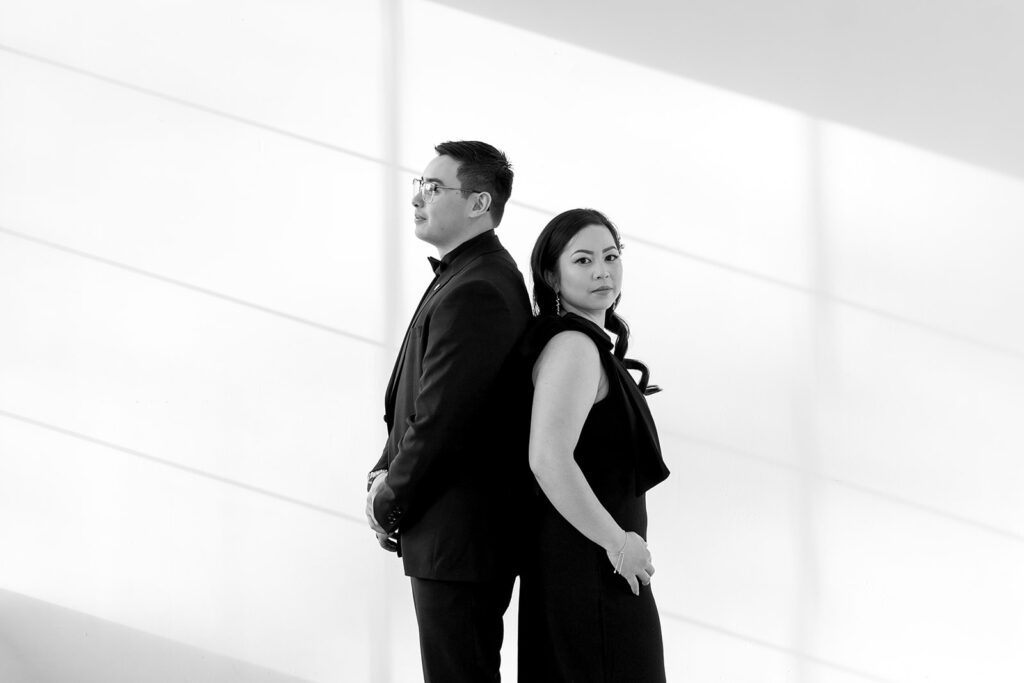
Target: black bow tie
[{"x": 437, "y": 265}]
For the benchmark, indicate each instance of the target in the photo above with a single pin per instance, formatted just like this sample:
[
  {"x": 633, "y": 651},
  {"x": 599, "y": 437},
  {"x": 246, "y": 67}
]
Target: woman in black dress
[{"x": 587, "y": 612}]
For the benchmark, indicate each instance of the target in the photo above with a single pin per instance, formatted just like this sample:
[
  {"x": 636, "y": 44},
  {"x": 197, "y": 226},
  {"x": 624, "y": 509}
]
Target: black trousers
[{"x": 460, "y": 624}]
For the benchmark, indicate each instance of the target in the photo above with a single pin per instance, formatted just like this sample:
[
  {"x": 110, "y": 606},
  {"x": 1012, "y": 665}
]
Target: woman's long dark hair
[{"x": 551, "y": 242}]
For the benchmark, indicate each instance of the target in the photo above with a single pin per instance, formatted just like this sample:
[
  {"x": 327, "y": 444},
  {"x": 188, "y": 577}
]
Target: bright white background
[{"x": 207, "y": 260}]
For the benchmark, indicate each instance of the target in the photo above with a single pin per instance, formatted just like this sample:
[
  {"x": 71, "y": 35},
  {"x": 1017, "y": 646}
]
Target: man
[{"x": 446, "y": 491}]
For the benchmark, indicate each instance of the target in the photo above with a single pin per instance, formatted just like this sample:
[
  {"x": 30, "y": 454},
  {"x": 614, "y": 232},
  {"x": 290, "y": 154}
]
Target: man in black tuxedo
[{"x": 447, "y": 491}]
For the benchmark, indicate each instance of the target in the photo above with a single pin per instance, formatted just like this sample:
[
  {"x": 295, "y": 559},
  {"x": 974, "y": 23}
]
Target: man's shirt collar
[{"x": 441, "y": 265}]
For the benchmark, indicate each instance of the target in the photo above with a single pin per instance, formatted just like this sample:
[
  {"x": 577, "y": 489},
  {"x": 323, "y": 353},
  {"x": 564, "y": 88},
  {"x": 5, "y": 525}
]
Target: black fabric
[
  {"x": 645, "y": 451},
  {"x": 578, "y": 621},
  {"x": 458, "y": 422},
  {"x": 460, "y": 625},
  {"x": 440, "y": 265}
]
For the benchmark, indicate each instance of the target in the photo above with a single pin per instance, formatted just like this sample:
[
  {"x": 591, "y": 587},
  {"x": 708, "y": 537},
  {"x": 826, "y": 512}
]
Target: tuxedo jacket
[{"x": 458, "y": 422}]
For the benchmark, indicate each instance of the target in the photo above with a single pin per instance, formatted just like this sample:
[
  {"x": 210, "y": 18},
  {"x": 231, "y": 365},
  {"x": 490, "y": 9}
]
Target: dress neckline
[{"x": 591, "y": 329}]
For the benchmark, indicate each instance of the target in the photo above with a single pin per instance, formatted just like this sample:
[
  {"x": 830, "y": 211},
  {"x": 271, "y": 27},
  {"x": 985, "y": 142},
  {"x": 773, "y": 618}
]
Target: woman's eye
[
  {"x": 612, "y": 257},
  {"x": 583, "y": 260}
]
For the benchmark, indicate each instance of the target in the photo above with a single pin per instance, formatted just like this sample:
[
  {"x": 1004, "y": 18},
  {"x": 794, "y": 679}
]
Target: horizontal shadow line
[
  {"x": 356, "y": 520},
  {"x": 195, "y": 288},
  {"x": 190, "y": 105},
  {"x": 778, "y": 648},
  {"x": 183, "y": 468},
  {"x": 892, "y": 317},
  {"x": 836, "y": 300},
  {"x": 1005, "y": 534}
]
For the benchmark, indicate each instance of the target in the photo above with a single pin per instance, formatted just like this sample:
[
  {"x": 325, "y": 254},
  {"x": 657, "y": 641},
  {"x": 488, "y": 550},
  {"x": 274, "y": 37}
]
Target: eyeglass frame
[{"x": 418, "y": 184}]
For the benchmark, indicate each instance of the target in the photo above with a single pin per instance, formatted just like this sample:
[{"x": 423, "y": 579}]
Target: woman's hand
[{"x": 633, "y": 562}]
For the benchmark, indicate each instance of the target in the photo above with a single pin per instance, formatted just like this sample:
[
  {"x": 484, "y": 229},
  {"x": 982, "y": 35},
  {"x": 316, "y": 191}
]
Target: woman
[{"x": 586, "y": 608}]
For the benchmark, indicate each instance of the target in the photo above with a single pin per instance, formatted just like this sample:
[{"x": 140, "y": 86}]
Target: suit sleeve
[{"x": 469, "y": 337}]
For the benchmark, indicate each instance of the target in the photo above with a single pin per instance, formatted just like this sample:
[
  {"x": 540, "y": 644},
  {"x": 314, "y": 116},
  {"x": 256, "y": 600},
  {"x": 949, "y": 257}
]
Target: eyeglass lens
[{"x": 427, "y": 190}]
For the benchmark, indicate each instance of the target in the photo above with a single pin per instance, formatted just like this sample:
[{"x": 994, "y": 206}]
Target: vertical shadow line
[{"x": 380, "y": 618}]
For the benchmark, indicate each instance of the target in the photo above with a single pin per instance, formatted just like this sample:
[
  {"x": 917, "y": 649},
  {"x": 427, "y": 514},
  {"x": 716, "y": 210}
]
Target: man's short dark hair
[{"x": 482, "y": 168}]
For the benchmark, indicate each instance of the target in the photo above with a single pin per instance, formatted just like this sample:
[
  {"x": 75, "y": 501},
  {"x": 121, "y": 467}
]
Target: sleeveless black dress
[{"x": 578, "y": 621}]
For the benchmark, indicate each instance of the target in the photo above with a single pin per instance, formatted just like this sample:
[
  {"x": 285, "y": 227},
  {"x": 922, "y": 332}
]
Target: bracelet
[{"x": 621, "y": 554}]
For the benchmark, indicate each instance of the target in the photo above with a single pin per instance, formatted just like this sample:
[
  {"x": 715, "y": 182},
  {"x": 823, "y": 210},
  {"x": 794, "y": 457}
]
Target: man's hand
[
  {"x": 387, "y": 542},
  {"x": 375, "y": 485}
]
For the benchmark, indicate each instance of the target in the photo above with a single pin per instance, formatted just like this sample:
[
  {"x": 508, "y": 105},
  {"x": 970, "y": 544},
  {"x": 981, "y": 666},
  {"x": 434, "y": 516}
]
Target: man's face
[{"x": 443, "y": 222}]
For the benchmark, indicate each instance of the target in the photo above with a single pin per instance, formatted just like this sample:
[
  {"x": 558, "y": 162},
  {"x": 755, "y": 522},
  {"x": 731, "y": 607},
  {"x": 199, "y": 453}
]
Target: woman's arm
[{"x": 568, "y": 376}]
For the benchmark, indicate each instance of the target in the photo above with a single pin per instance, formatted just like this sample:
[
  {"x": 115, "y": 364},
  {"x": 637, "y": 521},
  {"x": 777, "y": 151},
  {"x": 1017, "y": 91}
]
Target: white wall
[{"x": 206, "y": 261}]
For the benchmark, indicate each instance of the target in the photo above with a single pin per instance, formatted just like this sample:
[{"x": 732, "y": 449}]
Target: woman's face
[{"x": 590, "y": 273}]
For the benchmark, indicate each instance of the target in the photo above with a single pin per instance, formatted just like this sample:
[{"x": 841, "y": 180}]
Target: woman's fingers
[{"x": 634, "y": 562}]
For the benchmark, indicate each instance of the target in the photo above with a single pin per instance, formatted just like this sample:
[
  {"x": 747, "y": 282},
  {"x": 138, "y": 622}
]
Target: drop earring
[{"x": 558, "y": 304}]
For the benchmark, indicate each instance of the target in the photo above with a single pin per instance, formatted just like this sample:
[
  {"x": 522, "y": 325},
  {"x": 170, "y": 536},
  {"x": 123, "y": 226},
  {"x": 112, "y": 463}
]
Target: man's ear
[{"x": 481, "y": 205}]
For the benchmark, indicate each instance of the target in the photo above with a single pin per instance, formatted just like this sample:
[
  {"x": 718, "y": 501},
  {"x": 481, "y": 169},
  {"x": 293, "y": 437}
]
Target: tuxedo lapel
[
  {"x": 474, "y": 251},
  {"x": 389, "y": 395},
  {"x": 447, "y": 276}
]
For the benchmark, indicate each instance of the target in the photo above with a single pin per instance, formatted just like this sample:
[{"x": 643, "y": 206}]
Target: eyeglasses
[{"x": 428, "y": 189}]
